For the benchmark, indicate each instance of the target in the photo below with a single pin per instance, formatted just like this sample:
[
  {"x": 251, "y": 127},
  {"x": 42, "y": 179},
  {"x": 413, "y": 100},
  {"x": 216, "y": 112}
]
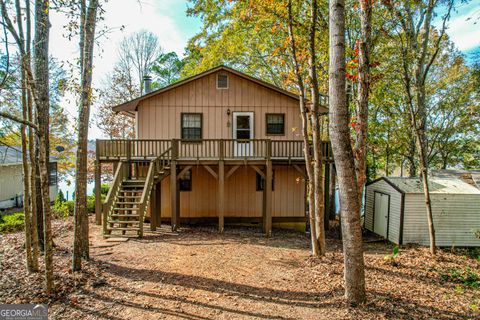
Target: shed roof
[{"x": 437, "y": 185}]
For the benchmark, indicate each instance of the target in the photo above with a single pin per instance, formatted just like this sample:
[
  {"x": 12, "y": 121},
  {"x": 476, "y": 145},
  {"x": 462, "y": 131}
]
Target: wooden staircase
[{"x": 129, "y": 196}]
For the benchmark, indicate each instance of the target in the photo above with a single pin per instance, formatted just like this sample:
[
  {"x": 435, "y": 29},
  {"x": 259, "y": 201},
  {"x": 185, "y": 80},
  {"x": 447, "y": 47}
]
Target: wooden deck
[
  {"x": 205, "y": 149},
  {"x": 141, "y": 164}
]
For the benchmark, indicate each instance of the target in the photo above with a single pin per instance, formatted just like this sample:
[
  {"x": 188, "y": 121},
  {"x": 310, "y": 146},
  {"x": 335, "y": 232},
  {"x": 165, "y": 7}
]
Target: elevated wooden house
[{"x": 220, "y": 145}]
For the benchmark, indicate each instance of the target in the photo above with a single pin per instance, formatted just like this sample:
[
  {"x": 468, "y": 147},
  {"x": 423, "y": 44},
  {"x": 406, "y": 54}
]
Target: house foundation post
[
  {"x": 221, "y": 195},
  {"x": 267, "y": 206},
  {"x": 153, "y": 208},
  {"x": 174, "y": 188}
]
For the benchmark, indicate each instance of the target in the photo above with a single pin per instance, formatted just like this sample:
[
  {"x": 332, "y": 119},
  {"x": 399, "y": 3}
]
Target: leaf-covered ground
[{"x": 199, "y": 274}]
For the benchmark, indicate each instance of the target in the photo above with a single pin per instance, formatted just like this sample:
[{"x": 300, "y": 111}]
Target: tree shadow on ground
[
  {"x": 238, "y": 235},
  {"x": 383, "y": 304}
]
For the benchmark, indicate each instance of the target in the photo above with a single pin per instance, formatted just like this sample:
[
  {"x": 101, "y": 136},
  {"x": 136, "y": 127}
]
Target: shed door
[
  {"x": 381, "y": 212},
  {"x": 243, "y": 133}
]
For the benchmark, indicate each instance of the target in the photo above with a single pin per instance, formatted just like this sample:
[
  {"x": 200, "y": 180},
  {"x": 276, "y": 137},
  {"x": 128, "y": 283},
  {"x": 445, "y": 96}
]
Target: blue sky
[{"x": 168, "y": 20}]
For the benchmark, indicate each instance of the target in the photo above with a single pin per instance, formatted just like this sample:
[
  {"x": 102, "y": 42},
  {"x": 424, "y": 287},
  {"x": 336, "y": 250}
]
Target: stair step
[
  {"x": 126, "y": 202},
  {"x": 126, "y": 197},
  {"x": 123, "y": 229},
  {"x": 116, "y": 235},
  {"x": 124, "y": 221},
  {"x": 125, "y": 209},
  {"x": 139, "y": 190},
  {"x": 125, "y": 215}
]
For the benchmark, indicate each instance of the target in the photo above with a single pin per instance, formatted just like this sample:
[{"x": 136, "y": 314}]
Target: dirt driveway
[{"x": 199, "y": 274}]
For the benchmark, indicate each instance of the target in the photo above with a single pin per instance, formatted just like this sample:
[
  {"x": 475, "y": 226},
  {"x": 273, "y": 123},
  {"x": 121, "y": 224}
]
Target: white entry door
[
  {"x": 382, "y": 204},
  {"x": 243, "y": 130}
]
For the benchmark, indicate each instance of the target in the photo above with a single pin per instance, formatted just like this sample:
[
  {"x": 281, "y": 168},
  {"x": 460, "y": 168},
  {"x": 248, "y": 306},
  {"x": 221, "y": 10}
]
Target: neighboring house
[
  {"x": 395, "y": 209},
  {"x": 11, "y": 177},
  {"x": 472, "y": 177},
  {"x": 230, "y": 144}
]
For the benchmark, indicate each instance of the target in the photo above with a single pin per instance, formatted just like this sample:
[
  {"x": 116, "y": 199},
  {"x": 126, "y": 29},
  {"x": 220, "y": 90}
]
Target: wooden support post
[
  {"x": 267, "y": 198},
  {"x": 153, "y": 208},
  {"x": 267, "y": 207},
  {"x": 221, "y": 195},
  {"x": 98, "y": 191},
  {"x": 174, "y": 188},
  {"x": 128, "y": 156},
  {"x": 326, "y": 196},
  {"x": 158, "y": 195},
  {"x": 173, "y": 195}
]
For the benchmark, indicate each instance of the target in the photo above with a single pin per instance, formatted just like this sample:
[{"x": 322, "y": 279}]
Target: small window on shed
[{"x": 222, "y": 81}]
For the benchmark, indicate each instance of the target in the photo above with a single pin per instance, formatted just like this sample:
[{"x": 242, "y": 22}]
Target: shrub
[
  {"x": 12, "y": 222},
  {"x": 467, "y": 277},
  {"x": 392, "y": 256},
  {"x": 60, "y": 197},
  {"x": 103, "y": 189},
  {"x": 61, "y": 209}
]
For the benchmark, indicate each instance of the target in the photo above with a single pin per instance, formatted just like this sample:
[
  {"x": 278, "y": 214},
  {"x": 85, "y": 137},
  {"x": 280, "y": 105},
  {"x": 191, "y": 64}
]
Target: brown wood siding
[
  {"x": 242, "y": 199},
  {"x": 159, "y": 116}
]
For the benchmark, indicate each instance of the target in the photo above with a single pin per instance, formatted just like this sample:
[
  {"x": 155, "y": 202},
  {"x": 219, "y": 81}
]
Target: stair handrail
[
  {"x": 156, "y": 166},
  {"x": 144, "y": 200},
  {"x": 163, "y": 160},
  {"x": 107, "y": 207}
]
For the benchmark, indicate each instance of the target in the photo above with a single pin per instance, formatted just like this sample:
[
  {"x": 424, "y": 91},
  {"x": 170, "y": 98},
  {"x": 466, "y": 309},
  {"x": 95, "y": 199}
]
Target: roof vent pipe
[{"x": 147, "y": 84}]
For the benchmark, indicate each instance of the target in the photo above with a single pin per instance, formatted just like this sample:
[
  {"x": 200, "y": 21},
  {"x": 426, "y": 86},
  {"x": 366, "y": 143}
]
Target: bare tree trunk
[
  {"x": 31, "y": 145},
  {"x": 363, "y": 92},
  {"x": 33, "y": 179},
  {"x": 344, "y": 159},
  {"x": 81, "y": 242},
  {"x": 412, "y": 167},
  {"x": 42, "y": 26},
  {"x": 307, "y": 149},
  {"x": 319, "y": 197},
  {"x": 26, "y": 181}
]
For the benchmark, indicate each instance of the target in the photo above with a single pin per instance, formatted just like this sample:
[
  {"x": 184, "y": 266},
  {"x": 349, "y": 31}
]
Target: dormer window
[{"x": 222, "y": 81}]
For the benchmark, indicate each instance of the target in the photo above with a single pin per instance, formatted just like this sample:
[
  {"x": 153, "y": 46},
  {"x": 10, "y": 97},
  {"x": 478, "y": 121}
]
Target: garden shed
[{"x": 395, "y": 210}]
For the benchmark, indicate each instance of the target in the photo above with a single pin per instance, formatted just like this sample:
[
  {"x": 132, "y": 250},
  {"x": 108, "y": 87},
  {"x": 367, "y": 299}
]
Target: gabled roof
[
  {"x": 437, "y": 185},
  {"x": 132, "y": 105}
]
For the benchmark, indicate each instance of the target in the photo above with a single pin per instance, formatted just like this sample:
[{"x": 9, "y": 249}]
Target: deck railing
[{"x": 206, "y": 149}]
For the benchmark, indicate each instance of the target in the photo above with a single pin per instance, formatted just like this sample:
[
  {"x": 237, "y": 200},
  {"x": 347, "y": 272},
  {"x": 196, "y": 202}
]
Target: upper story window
[
  {"x": 191, "y": 126},
  {"x": 222, "y": 81},
  {"x": 275, "y": 123}
]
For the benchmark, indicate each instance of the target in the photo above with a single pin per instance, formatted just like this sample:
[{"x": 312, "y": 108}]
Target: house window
[
  {"x": 275, "y": 123},
  {"x": 192, "y": 126},
  {"x": 260, "y": 182},
  {"x": 185, "y": 181},
  {"x": 222, "y": 81}
]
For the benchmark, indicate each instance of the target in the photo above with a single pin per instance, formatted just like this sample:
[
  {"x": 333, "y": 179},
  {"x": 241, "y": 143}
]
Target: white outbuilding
[{"x": 395, "y": 209}]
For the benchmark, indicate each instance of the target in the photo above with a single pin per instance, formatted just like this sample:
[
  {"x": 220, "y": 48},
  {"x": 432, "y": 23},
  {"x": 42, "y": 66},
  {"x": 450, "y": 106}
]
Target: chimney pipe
[{"x": 147, "y": 84}]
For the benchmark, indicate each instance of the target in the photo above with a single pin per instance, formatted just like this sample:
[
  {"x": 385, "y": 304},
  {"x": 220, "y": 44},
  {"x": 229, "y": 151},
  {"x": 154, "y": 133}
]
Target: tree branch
[{"x": 18, "y": 120}]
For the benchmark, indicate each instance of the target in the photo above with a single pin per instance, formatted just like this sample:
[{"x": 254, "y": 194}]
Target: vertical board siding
[
  {"x": 395, "y": 207},
  {"x": 159, "y": 116},
  {"x": 456, "y": 217},
  {"x": 242, "y": 198}
]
